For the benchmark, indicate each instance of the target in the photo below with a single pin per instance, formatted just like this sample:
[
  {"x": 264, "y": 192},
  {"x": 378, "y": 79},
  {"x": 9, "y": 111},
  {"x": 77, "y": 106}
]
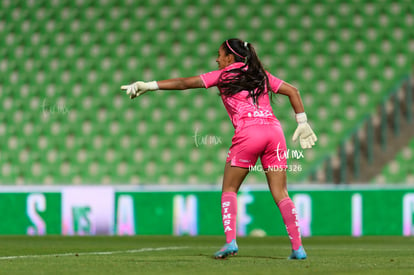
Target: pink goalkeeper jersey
[{"x": 241, "y": 108}]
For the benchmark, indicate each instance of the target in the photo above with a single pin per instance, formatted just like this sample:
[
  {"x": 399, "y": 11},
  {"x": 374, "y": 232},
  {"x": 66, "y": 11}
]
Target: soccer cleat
[
  {"x": 298, "y": 254},
  {"x": 230, "y": 248}
]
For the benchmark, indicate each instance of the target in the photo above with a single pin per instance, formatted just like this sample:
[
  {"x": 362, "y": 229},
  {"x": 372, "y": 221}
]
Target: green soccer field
[{"x": 193, "y": 255}]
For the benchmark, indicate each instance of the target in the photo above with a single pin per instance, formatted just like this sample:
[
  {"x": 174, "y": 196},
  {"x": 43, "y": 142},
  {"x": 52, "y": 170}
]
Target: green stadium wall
[{"x": 91, "y": 210}]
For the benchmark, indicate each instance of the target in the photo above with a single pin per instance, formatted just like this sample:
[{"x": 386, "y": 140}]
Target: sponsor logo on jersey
[{"x": 260, "y": 114}]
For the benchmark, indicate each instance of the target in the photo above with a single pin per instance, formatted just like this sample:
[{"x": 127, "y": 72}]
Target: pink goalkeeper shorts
[{"x": 264, "y": 141}]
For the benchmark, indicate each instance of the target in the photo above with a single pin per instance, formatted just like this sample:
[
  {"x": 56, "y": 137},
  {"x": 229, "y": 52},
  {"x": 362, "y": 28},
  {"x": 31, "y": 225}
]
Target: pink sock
[
  {"x": 290, "y": 218},
  {"x": 229, "y": 214}
]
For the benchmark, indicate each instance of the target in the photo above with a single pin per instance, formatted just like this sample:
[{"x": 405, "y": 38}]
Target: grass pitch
[{"x": 193, "y": 255}]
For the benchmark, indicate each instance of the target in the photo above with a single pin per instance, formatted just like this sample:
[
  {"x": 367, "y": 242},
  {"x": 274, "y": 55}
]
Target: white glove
[
  {"x": 139, "y": 88},
  {"x": 307, "y": 137}
]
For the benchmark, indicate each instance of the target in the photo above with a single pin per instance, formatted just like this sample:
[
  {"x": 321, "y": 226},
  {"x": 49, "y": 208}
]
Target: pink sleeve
[
  {"x": 274, "y": 82},
  {"x": 211, "y": 79}
]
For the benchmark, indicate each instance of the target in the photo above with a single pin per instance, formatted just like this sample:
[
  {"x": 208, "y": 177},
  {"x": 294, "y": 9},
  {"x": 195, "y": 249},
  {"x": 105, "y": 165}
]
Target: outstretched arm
[
  {"x": 304, "y": 132},
  {"x": 139, "y": 88},
  {"x": 181, "y": 83}
]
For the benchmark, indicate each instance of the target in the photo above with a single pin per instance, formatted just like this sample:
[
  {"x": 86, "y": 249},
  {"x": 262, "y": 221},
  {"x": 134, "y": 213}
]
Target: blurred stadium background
[
  {"x": 64, "y": 119},
  {"x": 65, "y": 122}
]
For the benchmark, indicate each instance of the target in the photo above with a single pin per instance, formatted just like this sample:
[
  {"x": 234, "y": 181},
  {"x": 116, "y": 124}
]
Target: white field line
[{"x": 148, "y": 249}]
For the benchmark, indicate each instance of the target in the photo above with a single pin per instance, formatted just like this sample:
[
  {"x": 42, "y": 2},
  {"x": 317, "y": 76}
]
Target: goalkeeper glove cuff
[
  {"x": 301, "y": 118},
  {"x": 152, "y": 86}
]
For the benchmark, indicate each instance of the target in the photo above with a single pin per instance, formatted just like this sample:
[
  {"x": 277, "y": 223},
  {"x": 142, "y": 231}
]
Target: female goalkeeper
[{"x": 244, "y": 87}]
